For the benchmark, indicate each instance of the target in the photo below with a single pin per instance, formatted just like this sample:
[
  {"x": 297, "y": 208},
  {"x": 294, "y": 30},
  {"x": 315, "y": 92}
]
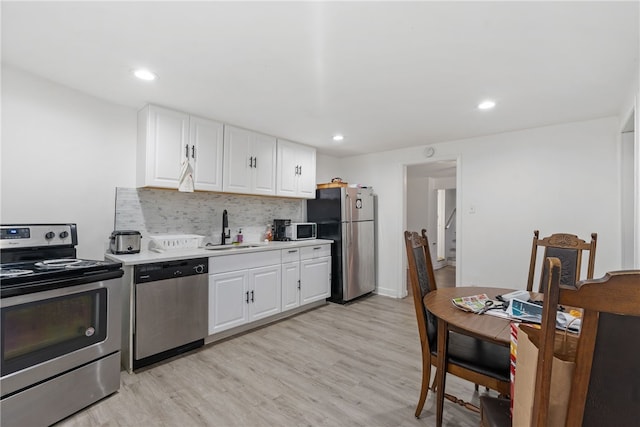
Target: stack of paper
[{"x": 528, "y": 312}]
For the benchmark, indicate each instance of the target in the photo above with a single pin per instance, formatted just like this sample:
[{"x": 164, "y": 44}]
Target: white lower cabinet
[
  {"x": 238, "y": 294},
  {"x": 247, "y": 287},
  {"x": 315, "y": 273},
  {"x": 290, "y": 278},
  {"x": 264, "y": 292},
  {"x": 227, "y": 306}
]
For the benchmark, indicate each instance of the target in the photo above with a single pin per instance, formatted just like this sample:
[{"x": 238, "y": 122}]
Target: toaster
[{"x": 125, "y": 242}]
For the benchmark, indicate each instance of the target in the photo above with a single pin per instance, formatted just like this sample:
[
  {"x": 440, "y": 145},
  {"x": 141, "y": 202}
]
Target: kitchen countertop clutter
[{"x": 148, "y": 256}]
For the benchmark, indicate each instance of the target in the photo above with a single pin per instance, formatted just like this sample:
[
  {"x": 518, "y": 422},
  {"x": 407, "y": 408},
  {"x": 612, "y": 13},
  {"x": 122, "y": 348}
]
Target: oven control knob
[
  {"x": 199, "y": 268},
  {"x": 50, "y": 235},
  {"x": 64, "y": 234}
]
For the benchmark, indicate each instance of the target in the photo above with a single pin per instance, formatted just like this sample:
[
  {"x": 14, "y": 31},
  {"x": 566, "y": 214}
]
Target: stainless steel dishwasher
[{"x": 171, "y": 309}]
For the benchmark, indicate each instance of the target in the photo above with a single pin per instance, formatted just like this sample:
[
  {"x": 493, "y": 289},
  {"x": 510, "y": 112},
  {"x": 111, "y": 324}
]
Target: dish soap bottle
[{"x": 239, "y": 237}]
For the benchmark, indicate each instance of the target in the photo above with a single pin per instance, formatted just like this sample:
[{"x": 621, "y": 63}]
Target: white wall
[
  {"x": 327, "y": 168},
  {"x": 63, "y": 155},
  {"x": 418, "y": 190},
  {"x": 561, "y": 178}
]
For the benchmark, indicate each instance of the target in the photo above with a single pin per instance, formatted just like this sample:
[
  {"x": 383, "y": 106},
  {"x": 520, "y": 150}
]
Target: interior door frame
[
  {"x": 459, "y": 237},
  {"x": 629, "y": 145}
]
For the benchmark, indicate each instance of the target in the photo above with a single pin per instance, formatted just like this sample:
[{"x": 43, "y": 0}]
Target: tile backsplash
[{"x": 155, "y": 211}]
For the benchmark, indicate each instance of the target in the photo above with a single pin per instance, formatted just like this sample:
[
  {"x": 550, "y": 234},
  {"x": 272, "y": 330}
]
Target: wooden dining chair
[
  {"x": 605, "y": 389},
  {"x": 472, "y": 359},
  {"x": 570, "y": 249}
]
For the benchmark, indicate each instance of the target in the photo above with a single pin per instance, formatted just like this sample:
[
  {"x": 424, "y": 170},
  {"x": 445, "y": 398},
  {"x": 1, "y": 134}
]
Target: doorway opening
[
  {"x": 446, "y": 244},
  {"x": 431, "y": 201}
]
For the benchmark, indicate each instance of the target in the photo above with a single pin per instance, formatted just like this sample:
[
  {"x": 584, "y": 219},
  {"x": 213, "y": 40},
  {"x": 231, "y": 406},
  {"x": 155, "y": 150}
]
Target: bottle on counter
[
  {"x": 239, "y": 237},
  {"x": 268, "y": 233}
]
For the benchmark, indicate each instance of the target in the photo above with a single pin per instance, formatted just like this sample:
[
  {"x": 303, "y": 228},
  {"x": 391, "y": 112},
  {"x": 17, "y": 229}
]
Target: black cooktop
[{"x": 34, "y": 276}]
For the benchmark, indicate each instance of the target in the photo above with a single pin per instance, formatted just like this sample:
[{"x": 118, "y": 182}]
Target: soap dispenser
[{"x": 239, "y": 237}]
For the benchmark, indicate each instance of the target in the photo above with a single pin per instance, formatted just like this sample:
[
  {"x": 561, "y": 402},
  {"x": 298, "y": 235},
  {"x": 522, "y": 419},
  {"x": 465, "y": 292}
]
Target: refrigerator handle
[{"x": 348, "y": 207}]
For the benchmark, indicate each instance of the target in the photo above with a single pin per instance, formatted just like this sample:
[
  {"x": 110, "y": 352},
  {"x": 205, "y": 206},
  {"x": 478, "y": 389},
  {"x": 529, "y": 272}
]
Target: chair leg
[
  {"x": 433, "y": 384},
  {"x": 426, "y": 375}
]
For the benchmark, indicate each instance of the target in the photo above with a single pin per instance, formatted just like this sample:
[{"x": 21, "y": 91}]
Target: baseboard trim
[{"x": 238, "y": 330}]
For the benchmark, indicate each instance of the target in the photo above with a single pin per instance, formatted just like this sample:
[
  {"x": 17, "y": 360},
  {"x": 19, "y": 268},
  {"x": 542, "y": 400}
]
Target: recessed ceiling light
[
  {"x": 144, "y": 75},
  {"x": 486, "y": 105},
  {"x": 338, "y": 137}
]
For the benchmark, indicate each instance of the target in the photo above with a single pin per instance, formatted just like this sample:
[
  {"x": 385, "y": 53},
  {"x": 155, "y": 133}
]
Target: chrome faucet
[{"x": 226, "y": 232}]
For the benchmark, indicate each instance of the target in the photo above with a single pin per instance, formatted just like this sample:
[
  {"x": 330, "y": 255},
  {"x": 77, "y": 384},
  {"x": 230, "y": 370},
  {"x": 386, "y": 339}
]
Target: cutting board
[{"x": 333, "y": 185}]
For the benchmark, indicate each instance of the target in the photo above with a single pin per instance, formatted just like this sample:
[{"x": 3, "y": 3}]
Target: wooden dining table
[{"x": 450, "y": 318}]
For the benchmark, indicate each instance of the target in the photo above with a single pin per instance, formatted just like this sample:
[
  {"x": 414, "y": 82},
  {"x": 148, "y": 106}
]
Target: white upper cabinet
[
  {"x": 223, "y": 158},
  {"x": 162, "y": 143},
  {"x": 249, "y": 162},
  {"x": 166, "y": 138},
  {"x": 296, "y": 170},
  {"x": 206, "y": 138}
]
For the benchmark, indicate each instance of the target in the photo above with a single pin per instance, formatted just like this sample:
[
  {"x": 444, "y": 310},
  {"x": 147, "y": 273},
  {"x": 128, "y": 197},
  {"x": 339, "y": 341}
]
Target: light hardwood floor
[
  {"x": 353, "y": 365},
  {"x": 446, "y": 277}
]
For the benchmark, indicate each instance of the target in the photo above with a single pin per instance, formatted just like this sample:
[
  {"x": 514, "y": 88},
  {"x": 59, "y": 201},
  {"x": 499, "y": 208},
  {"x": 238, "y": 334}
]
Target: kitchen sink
[{"x": 231, "y": 247}]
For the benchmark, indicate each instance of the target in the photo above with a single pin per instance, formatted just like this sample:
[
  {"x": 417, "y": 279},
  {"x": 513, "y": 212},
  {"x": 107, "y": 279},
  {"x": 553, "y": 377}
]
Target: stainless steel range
[{"x": 60, "y": 325}]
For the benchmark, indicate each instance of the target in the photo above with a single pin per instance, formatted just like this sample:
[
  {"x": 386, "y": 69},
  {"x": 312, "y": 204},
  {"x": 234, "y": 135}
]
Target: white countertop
[{"x": 146, "y": 256}]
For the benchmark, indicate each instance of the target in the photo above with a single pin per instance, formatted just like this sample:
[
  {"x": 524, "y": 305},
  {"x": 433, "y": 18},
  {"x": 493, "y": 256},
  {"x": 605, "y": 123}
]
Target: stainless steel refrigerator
[{"x": 347, "y": 216}]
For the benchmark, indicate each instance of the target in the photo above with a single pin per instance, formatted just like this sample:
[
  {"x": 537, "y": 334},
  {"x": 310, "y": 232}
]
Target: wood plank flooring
[
  {"x": 353, "y": 365},
  {"x": 445, "y": 277}
]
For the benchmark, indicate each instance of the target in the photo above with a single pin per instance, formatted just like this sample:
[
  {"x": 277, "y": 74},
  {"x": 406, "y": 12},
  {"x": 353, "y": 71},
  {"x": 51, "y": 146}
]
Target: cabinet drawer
[
  {"x": 235, "y": 262},
  {"x": 290, "y": 255},
  {"x": 316, "y": 251}
]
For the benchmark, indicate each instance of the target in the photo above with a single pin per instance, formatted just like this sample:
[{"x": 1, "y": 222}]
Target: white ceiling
[{"x": 386, "y": 74}]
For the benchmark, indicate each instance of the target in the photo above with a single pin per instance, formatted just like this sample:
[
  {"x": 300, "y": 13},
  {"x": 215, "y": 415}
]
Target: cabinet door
[
  {"x": 315, "y": 279},
  {"x": 228, "y": 305},
  {"x": 290, "y": 285},
  {"x": 263, "y": 149},
  {"x": 162, "y": 146},
  {"x": 205, "y": 153},
  {"x": 306, "y": 160},
  {"x": 265, "y": 297},
  {"x": 238, "y": 162},
  {"x": 296, "y": 170},
  {"x": 287, "y": 182}
]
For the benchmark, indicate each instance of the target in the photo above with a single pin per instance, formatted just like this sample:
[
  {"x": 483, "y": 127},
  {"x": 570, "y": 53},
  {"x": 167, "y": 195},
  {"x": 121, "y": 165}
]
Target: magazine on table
[
  {"x": 529, "y": 312},
  {"x": 518, "y": 310},
  {"x": 472, "y": 303}
]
